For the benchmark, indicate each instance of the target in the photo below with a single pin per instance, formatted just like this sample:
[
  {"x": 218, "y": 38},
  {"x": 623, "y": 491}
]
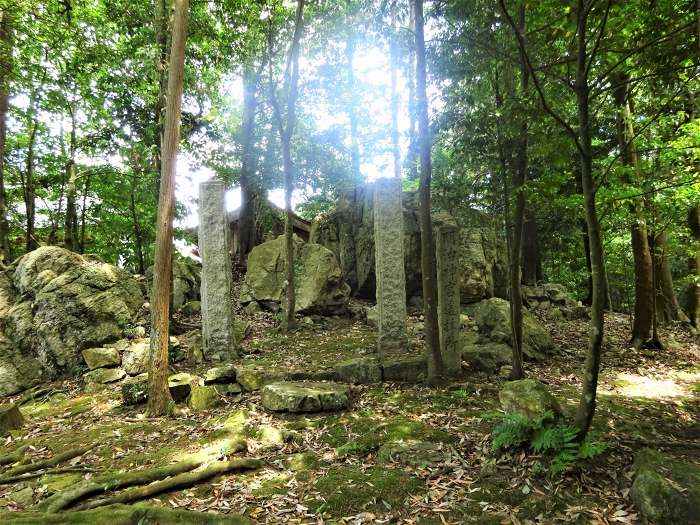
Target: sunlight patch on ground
[{"x": 633, "y": 385}]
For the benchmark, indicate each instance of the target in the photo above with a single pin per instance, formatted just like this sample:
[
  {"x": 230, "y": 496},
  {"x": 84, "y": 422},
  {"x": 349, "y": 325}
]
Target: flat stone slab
[
  {"x": 104, "y": 375},
  {"x": 359, "y": 371},
  {"x": 305, "y": 396}
]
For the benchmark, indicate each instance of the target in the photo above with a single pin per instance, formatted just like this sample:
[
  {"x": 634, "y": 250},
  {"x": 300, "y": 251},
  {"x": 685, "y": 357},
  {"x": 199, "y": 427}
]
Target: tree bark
[
  {"x": 6, "y": 43},
  {"x": 532, "y": 256},
  {"x": 29, "y": 193},
  {"x": 412, "y": 159},
  {"x": 247, "y": 238},
  {"x": 70, "y": 228},
  {"x": 643, "y": 280},
  {"x": 428, "y": 267},
  {"x": 519, "y": 178},
  {"x": 694, "y": 263},
  {"x": 138, "y": 232},
  {"x": 587, "y": 403},
  {"x": 286, "y": 130},
  {"x": 159, "y": 400},
  {"x": 667, "y": 307}
]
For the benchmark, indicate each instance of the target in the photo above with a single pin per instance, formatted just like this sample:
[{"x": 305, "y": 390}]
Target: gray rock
[
  {"x": 493, "y": 319},
  {"x": 180, "y": 385},
  {"x": 220, "y": 374},
  {"x": 488, "y": 358},
  {"x": 410, "y": 369},
  {"x": 101, "y": 357},
  {"x": 10, "y": 418},
  {"x": 666, "y": 491},
  {"x": 359, "y": 371},
  {"x": 253, "y": 378},
  {"x": 305, "y": 397},
  {"x": 135, "y": 358},
  {"x": 67, "y": 302},
  {"x": 135, "y": 390},
  {"x": 529, "y": 398},
  {"x": 104, "y": 375},
  {"x": 205, "y": 397},
  {"x": 319, "y": 283}
]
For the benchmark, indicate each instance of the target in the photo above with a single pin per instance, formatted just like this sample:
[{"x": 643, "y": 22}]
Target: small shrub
[{"x": 544, "y": 436}]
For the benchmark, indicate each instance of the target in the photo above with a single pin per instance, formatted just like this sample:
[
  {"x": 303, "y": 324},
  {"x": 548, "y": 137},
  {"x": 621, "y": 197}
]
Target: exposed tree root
[
  {"x": 39, "y": 473},
  {"x": 13, "y": 457},
  {"x": 176, "y": 482},
  {"x": 123, "y": 515},
  {"x": 57, "y": 459},
  {"x": 102, "y": 484}
]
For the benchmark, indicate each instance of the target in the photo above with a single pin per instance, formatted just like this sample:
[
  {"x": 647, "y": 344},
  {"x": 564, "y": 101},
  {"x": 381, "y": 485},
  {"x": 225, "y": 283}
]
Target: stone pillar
[
  {"x": 389, "y": 266},
  {"x": 214, "y": 241},
  {"x": 447, "y": 241}
]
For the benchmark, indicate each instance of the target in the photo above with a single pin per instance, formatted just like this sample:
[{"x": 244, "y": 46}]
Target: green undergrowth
[
  {"x": 346, "y": 490},
  {"x": 363, "y": 432}
]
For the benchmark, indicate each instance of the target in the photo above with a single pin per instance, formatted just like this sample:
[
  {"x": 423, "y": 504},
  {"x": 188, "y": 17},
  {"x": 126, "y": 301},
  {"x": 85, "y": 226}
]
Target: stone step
[{"x": 305, "y": 396}]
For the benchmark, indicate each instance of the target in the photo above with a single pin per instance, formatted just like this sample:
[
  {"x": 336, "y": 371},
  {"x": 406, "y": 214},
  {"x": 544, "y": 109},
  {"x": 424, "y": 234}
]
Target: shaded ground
[{"x": 328, "y": 469}]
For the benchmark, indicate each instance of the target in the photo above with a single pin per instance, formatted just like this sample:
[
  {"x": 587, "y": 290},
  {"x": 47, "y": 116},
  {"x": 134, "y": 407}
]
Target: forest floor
[{"x": 328, "y": 470}]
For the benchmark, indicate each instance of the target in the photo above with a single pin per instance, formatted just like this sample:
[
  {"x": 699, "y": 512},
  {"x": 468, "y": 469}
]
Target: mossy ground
[{"x": 329, "y": 470}]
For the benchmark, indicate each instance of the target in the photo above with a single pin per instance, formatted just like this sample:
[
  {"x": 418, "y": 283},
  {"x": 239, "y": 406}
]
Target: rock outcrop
[
  {"x": 56, "y": 304},
  {"x": 528, "y": 398},
  {"x": 319, "y": 283},
  {"x": 348, "y": 231},
  {"x": 493, "y": 319}
]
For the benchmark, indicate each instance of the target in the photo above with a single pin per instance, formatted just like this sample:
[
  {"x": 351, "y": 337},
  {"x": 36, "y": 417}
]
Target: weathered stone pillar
[
  {"x": 389, "y": 266},
  {"x": 214, "y": 241},
  {"x": 447, "y": 254}
]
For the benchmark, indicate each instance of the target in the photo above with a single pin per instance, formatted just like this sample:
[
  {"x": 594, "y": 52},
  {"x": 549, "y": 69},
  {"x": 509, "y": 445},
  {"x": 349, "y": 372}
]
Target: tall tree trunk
[
  {"x": 412, "y": 158},
  {"x": 83, "y": 213},
  {"x": 161, "y": 19},
  {"x": 246, "y": 219},
  {"x": 70, "y": 229},
  {"x": 519, "y": 178},
  {"x": 427, "y": 244},
  {"x": 587, "y": 404},
  {"x": 159, "y": 400},
  {"x": 6, "y": 43},
  {"x": 643, "y": 281},
  {"x": 138, "y": 232},
  {"x": 532, "y": 256},
  {"x": 667, "y": 307},
  {"x": 286, "y": 131},
  {"x": 29, "y": 191},
  {"x": 694, "y": 287},
  {"x": 352, "y": 107}
]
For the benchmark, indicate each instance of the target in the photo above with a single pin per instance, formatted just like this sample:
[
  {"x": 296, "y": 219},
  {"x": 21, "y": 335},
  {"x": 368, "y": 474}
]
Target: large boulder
[
  {"x": 666, "y": 491},
  {"x": 348, "y": 231},
  {"x": 65, "y": 303},
  {"x": 319, "y": 285},
  {"x": 493, "y": 320},
  {"x": 187, "y": 280},
  {"x": 528, "y": 398}
]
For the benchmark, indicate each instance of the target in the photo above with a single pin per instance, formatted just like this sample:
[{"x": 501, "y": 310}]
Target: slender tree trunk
[
  {"x": 138, "y": 233},
  {"x": 667, "y": 307},
  {"x": 352, "y": 107},
  {"x": 29, "y": 191},
  {"x": 694, "y": 287},
  {"x": 286, "y": 131},
  {"x": 587, "y": 404},
  {"x": 6, "y": 43},
  {"x": 83, "y": 212},
  {"x": 532, "y": 256},
  {"x": 70, "y": 228},
  {"x": 246, "y": 219},
  {"x": 643, "y": 281},
  {"x": 160, "y": 25},
  {"x": 519, "y": 178},
  {"x": 412, "y": 159},
  {"x": 428, "y": 269},
  {"x": 159, "y": 399}
]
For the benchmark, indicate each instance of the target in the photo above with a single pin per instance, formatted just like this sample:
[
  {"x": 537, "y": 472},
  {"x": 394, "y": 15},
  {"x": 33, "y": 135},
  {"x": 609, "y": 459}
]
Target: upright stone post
[
  {"x": 447, "y": 243},
  {"x": 214, "y": 241},
  {"x": 389, "y": 266}
]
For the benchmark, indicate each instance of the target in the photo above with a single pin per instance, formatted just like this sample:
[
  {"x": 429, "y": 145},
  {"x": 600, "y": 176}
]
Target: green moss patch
[{"x": 347, "y": 490}]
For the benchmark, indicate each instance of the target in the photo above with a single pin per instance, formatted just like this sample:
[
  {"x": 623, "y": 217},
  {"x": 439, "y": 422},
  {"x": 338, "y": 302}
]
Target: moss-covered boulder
[
  {"x": 66, "y": 303},
  {"x": 205, "y": 397},
  {"x": 488, "y": 357},
  {"x": 253, "y": 378},
  {"x": 220, "y": 375},
  {"x": 180, "y": 385},
  {"x": 493, "y": 320},
  {"x": 135, "y": 357},
  {"x": 10, "y": 418},
  {"x": 135, "y": 390},
  {"x": 101, "y": 357},
  {"x": 359, "y": 371},
  {"x": 404, "y": 368},
  {"x": 529, "y": 398},
  {"x": 319, "y": 284},
  {"x": 104, "y": 375},
  {"x": 305, "y": 396},
  {"x": 666, "y": 491}
]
